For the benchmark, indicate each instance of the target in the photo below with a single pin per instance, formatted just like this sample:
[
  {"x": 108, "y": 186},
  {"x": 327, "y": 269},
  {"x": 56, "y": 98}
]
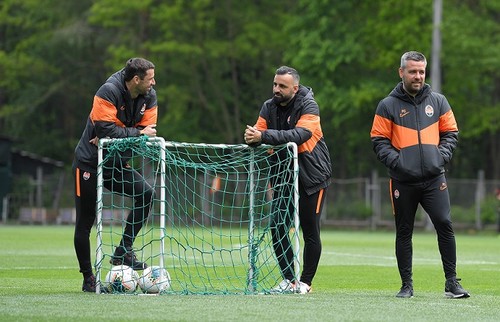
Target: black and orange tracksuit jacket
[
  {"x": 414, "y": 137},
  {"x": 114, "y": 115},
  {"x": 299, "y": 122}
]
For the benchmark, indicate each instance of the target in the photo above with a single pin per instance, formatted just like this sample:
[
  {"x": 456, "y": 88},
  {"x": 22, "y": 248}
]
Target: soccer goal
[{"x": 212, "y": 214}]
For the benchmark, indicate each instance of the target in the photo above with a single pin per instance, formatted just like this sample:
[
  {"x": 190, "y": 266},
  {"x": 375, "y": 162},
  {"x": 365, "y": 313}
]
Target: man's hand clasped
[
  {"x": 252, "y": 135},
  {"x": 149, "y": 130}
]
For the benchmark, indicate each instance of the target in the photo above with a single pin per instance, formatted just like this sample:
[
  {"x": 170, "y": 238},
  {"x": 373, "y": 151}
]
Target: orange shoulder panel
[
  {"x": 150, "y": 117},
  {"x": 308, "y": 121},
  {"x": 312, "y": 123},
  {"x": 261, "y": 124},
  {"x": 381, "y": 127},
  {"x": 447, "y": 122},
  {"x": 103, "y": 110}
]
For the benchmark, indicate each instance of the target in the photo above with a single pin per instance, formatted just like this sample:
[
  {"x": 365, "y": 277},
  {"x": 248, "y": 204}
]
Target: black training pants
[
  {"x": 310, "y": 207},
  {"x": 434, "y": 198},
  {"x": 123, "y": 180}
]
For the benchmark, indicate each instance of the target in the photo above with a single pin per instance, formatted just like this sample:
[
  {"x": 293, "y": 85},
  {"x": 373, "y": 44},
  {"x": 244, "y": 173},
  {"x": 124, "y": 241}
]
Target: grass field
[{"x": 356, "y": 281}]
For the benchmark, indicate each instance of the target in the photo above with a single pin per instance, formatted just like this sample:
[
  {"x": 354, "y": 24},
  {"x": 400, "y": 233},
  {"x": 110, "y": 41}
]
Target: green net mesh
[{"x": 211, "y": 212}]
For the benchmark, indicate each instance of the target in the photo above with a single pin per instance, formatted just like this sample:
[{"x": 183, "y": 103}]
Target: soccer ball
[
  {"x": 121, "y": 279},
  {"x": 154, "y": 280}
]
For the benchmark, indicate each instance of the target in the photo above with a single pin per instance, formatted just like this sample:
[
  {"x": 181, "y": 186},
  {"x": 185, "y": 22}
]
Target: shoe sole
[
  {"x": 404, "y": 296},
  {"x": 456, "y": 296}
]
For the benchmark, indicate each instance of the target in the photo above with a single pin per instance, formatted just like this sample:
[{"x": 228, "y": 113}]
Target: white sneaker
[
  {"x": 303, "y": 288},
  {"x": 285, "y": 286}
]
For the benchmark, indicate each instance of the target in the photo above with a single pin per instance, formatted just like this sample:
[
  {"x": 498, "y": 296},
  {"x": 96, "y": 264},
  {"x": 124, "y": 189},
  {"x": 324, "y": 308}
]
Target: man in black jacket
[
  {"x": 124, "y": 106},
  {"x": 414, "y": 134},
  {"x": 292, "y": 115}
]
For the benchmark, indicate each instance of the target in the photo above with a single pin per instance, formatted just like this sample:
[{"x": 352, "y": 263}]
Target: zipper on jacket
[{"x": 417, "y": 122}]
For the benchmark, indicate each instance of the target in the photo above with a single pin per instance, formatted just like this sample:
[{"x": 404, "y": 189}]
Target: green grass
[{"x": 356, "y": 281}]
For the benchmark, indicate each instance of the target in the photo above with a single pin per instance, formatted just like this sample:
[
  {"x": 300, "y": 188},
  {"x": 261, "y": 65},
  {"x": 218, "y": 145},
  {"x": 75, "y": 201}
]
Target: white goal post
[{"x": 209, "y": 223}]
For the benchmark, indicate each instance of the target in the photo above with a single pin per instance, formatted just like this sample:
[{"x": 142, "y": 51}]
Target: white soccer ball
[
  {"x": 154, "y": 280},
  {"x": 121, "y": 279}
]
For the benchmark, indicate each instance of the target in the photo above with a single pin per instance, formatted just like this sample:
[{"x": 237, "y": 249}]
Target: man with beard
[
  {"x": 124, "y": 106},
  {"x": 292, "y": 115},
  {"x": 414, "y": 134}
]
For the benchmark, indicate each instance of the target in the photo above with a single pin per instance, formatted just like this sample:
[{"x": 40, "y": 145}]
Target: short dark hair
[
  {"x": 412, "y": 55},
  {"x": 283, "y": 70},
  {"x": 137, "y": 66}
]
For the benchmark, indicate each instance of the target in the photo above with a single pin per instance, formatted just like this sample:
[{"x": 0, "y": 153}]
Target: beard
[
  {"x": 146, "y": 91},
  {"x": 279, "y": 99},
  {"x": 411, "y": 88}
]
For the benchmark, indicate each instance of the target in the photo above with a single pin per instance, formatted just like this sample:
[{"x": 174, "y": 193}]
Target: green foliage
[
  {"x": 464, "y": 55},
  {"x": 44, "y": 59},
  {"x": 207, "y": 53},
  {"x": 351, "y": 58},
  {"x": 490, "y": 210},
  {"x": 463, "y": 214},
  {"x": 215, "y": 62}
]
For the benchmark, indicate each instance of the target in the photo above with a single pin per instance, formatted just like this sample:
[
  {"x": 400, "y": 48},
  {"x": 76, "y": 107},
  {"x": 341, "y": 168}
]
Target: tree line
[{"x": 215, "y": 62}]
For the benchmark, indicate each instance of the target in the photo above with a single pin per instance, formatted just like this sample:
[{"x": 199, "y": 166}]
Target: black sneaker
[
  {"x": 453, "y": 289},
  {"x": 89, "y": 284},
  {"x": 128, "y": 258},
  {"x": 406, "y": 290}
]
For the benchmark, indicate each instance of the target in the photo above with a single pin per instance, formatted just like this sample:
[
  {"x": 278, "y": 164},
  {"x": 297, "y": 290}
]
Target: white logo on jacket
[{"x": 429, "y": 111}]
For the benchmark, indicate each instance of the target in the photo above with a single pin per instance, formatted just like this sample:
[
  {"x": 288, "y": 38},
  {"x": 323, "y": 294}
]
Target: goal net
[{"x": 212, "y": 215}]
